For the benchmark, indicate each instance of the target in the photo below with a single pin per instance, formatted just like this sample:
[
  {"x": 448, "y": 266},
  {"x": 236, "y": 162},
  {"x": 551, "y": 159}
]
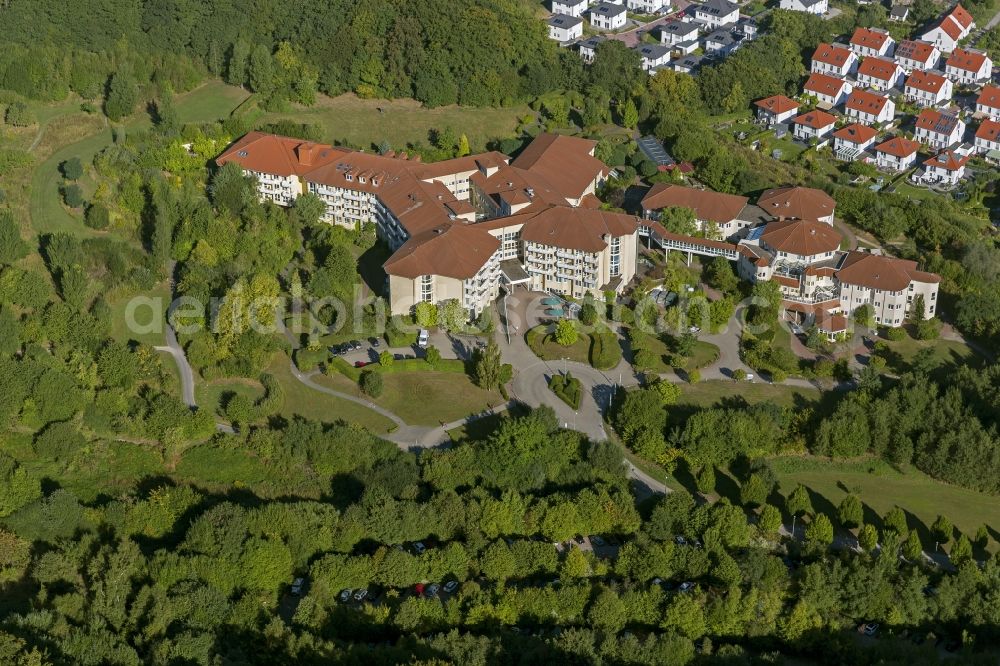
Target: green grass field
[
  {"x": 710, "y": 393},
  {"x": 547, "y": 349},
  {"x": 141, "y": 314},
  {"x": 881, "y": 487},
  {"x": 945, "y": 352},
  {"x": 704, "y": 353},
  {"x": 300, "y": 400},
  {"x": 431, "y": 398},
  {"x": 357, "y": 121},
  {"x": 209, "y": 394}
]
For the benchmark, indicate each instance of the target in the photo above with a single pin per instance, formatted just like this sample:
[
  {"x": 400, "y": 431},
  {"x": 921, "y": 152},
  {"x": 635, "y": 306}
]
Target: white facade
[
  {"x": 575, "y": 8},
  {"x": 937, "y": 133},
  {"x": 872, "y": 43},
  {"x": 873, "y": 78},
  {"x": 717, "y": 13},
  {"x": 653, "y": 55},
  {"x": 969, "y": 74},
  {"x": 873, "y": 115},
  {"x": 648, "y": 6},
  {"x": 924, "y": 98},
  {"x": 833, "y": 60},
  {"x": 806, "y": 132},
  {"x": 912, "y": 55},
  {"x": 819, "y": 7},
  {"x": 565, "y": 28},
  {"x": 830, "y": 91},
  {"x": 891, "y": 308},
  {"x": 988, "y": 137},
  {"x": 940, "y": 175},
  {"x": 608, "y": 16},
  {"x": 282, "y": 190},
  {"x": 679, "y": 32},
  {"x": 892, "y": 162}
]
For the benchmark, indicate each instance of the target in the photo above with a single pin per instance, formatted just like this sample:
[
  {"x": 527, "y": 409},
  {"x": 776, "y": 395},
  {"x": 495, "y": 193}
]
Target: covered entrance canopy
[{"x": 513, "y": 272}]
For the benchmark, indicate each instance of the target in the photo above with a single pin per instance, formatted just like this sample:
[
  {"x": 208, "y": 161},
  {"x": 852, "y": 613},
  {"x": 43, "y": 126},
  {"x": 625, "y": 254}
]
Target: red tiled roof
[
  {"x": 706, "y": 204},
  {"x": 868, "y": 102},
  {"x": 802, "y": 203},
  {"x": 824, "y": 84},
  {"x": 815, "y": 119},
  {"x": 453, "y": 250},
  {"x": 578, "y": 228},
  {"x": 989, "y": 130},
  {"x": 990, "y": 96},
  {"x": 961, "y": 16},
  {"x": 881, "y": 272},
  {"x": 873, "y": 39},
  {"x": 917, "y": 50},
  {"x": 935, "y": 121},
  {"x": 279, "y": 155},
  {"x": 969, "y": 61},
  {"x": 948, "y": 160},
  {"x": 856, "y": 133},
  {"x": 926, "y": 81},
  {"x": 551, "y": 155},
  {"x": 832, "y": 55},
  {"x": 878, "y": 68},
  {"x": 898, "y": 146},
  {"x": 777, "y": 104},
  {"x": 802, "y": 237}
]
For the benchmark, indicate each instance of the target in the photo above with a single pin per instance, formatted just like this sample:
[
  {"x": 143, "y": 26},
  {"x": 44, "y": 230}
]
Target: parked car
[
  {"x": 355, "y": 345},
  {"x": 432, "y": 591},
  {"x": 686, "y": 586},
  {"x": 361, "y": 364},
  {"x": 422, "y": 338},
  {"x": 345, "y": 596},
  {"x": 419, "y": 548},
  {"x": 680, "y": 541},
  {"x": 297, "y": 585},
  {"x": 374, "y": 342},
  {"x": 451, "y": 586},
  {"x": 597, "y": 541},
  {"x": 360, "y": 595},
  {"x": 578, "y": 539}
]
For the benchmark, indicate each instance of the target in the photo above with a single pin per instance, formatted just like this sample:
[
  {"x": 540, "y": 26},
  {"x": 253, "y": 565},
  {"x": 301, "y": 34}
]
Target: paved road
[{"x": 186, "y": 373}]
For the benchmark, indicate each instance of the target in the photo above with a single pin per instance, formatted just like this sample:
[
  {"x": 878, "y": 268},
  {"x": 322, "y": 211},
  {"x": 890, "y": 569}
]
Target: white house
[
  {"x": 946, "y": 168},
  {"x": 648, "y": 6},
  {"x": 872, "y": 42},
  {"x": 653, "y": 55},
  {"x": 575, "y": 8},
  {"x": 988, "y": 102},
  {"x": 968, "y": 67},
  {"x": 722, "y": 41},
  {"x": 869, "y": 108},
  {"x": 913, "y": 55},
  {"x": 927, "y": 89},
  {"x": 689, "y": 64},
  {"x": 950, "y": 30},
  {"x": 565, "y": 28},
  {"x": 607, "y": 16},
  {"x": 776, "y": 109},
  {"x": 851, "y": 141},
  {"x": 833, "y": 60},
  {"x": 818, "y": 7},
  {"x": 679, "y": 32},
  {"x": 813, "y": 125},
  {"x": 828, "y": 90},
  {"x": 896, "y": 154},
  {"x": 588, "y": 48},
  {"x": 988, "y": 136},
  {"x": 879, "y": 74},
  {"x": 717, "y": 13},
  {"x": 939, "y": 130},
  {"x": 899, "y": 13},
  {"x": 890, "y": 285}
]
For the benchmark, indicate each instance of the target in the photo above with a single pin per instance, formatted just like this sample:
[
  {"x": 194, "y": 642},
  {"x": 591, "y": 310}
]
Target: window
[{"x": 427, "y": 288}]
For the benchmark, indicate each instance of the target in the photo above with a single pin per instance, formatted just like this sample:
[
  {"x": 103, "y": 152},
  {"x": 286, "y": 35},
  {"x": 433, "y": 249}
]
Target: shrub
[
  {"x": 568, "y": 388},
  {"x": 605, "y": 352},
  {"x": 97, "y": 217},
  {"x": 19, "y": 115},
  {"x": 929, "y": 329},
  {"x": 386, "y": 359},
  {"x": 896, "y": 333},
  {"x": 694, "y": 376},
  {"x": 371, "y": 383},
  {"x": 739, "y": 374},
  {"x": 566, "y": 333},
  {"x": 72, "y": 168},
  {"x": 73, "y": 196}
]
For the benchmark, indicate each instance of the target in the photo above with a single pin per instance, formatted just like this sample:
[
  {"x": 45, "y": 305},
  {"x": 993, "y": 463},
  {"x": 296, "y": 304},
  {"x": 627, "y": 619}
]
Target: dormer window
[
  {"x": 349, "y": 177},
  {"x": 361, "y": 179}
]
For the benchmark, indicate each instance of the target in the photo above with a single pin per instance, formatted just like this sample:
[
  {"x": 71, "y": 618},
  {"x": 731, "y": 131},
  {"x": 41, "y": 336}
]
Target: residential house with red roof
[
  {"x": 834, "y": 60},
  {"x": 724, "y": 214},
  {"x": 988, "y": 138},
  {"x": 776, "y": 109},
  {"x": 968, "y": 66},
  {"x": 945, "y": 168},
  {"x": 928, "y": 89},
  {"x": 813, "y": 124},
  {"x": 867, "y": 42},
  {"x": 939, "y": 129},
  {"x": 850, "y": 142},
  {"x": 879, "y": 74},
  {"x": 950, "y": 30},
  {"x": 896, "y": 154},
  {"x": 868, "y": 108},
  {"x": 988, "y": 102},
  {"x": 914, "y": 55},
  {"x": 829, "y": 91}
]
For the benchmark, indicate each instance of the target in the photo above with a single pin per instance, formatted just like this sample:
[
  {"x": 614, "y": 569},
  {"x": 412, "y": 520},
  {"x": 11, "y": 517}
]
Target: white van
[{"x": 422, "y": 338}]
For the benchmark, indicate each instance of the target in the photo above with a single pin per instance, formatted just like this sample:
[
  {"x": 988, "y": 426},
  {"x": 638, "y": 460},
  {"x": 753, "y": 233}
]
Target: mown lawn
[
  {"x": 541, "y": 342},
  {"x": 945, "y": 353},
  {"x": 301, "y": 400},
  {"x": 703, "y": 354},
  {"x": 432, "y": 398},
  {"x": 881, "y": 487},
  {"x": 159, "y": 296},
  {"x": 359, "y": 122},
  {"x": 712, "y": 393},
  {"x": 210, "y": 394}
]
